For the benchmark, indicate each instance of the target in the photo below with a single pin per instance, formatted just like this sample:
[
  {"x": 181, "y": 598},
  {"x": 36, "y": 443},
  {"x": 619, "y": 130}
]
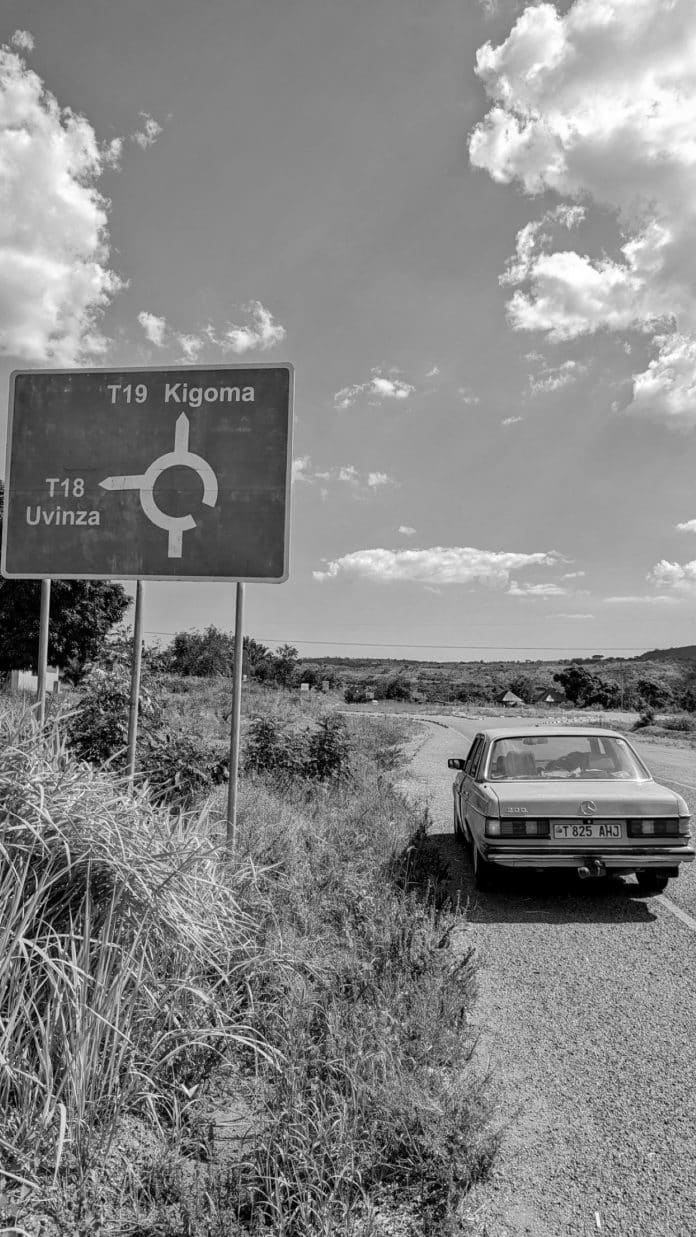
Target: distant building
[
  {"x": 510, "y": 700},
  {"x": 25, "y": 681},
  {"x": 369, "y": 693},
  {"x": 549, "y": 695}
]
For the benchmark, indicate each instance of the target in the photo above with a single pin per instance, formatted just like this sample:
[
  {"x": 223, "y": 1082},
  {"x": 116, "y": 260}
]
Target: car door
[{"x": 466, "y": 783}]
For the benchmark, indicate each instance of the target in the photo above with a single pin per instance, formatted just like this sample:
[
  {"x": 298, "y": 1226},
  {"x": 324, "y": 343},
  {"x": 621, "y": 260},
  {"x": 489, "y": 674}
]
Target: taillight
[
  {"x": 651, "y": 828},
  {"x": 524, "y": 829}
]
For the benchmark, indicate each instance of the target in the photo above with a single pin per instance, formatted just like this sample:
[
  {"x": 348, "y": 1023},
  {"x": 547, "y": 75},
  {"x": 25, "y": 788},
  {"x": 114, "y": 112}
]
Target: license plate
[{"x": 588, "y": 829}]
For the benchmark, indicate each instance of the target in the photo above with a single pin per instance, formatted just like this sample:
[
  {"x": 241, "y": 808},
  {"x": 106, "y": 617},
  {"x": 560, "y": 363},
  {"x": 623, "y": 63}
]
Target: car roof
[{"x": 523, "y": 732}]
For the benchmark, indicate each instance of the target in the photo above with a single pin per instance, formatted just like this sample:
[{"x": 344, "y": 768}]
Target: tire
[
  {"x": 652, "y": 881},
  {"x": 483, "y": 870}
]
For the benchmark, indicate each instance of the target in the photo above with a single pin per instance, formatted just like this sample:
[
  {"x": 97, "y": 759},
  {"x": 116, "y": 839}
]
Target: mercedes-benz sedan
[{"x": 582, "y": 798}]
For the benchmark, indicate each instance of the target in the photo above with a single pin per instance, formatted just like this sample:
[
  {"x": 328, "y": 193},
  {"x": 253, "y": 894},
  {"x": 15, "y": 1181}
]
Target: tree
[
  {"x": 203, "y": 654},
  {"x": 81, "y": 616},
  {"x": 285, "y": 663}
]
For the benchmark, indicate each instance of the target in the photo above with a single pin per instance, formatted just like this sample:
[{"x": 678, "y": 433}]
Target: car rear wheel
[
  {"x": 652, "y": 881},
  {"x": 483, "y": 870}
]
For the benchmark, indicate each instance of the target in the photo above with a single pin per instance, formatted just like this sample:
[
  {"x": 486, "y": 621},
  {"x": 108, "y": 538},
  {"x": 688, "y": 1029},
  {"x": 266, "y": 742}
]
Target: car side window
[{"x": 473, "y": 757}]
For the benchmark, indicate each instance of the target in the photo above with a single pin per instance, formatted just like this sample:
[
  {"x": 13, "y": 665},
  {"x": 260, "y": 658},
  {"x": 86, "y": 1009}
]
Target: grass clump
[
  {"x": 126, "y": 965},
  {"x": 320, "y": 984},
  {"x": 377, "y": 1100}
]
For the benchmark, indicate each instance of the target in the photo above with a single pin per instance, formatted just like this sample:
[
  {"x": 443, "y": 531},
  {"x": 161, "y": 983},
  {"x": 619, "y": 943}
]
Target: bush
[
  {"x": 271, "y": 748},
  {"x": 328, "y": 751}
]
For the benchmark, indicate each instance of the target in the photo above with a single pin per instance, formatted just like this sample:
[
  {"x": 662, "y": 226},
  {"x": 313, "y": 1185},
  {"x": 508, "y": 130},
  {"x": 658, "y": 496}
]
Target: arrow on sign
[{"x": 174, "y": 525}]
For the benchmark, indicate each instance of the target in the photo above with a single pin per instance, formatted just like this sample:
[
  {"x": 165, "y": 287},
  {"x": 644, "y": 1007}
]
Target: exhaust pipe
[{"x": 593, "y": 867}]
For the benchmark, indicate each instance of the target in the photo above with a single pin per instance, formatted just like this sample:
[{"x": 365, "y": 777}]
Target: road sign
[{"x": 180, "y": 473}]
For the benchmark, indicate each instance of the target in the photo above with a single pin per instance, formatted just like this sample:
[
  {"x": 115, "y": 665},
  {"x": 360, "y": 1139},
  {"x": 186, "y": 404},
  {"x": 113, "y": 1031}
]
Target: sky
[{"x": 469, "y": 226}]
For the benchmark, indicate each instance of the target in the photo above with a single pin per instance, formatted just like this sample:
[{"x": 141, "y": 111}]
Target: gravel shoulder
[{"x": 586, "y": 1010}]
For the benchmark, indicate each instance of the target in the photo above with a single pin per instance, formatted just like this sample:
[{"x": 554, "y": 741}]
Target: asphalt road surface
[{"x": 587, "y": 1019}]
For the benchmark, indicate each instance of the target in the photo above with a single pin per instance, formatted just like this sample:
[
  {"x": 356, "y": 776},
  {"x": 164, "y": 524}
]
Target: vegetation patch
[{"x": 318, "y": 987}]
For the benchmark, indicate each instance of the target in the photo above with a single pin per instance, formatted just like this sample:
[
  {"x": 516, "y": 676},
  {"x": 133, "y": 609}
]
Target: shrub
[
  {"x": 271, "y": 748},
  {"x": 328, "y": 751}
]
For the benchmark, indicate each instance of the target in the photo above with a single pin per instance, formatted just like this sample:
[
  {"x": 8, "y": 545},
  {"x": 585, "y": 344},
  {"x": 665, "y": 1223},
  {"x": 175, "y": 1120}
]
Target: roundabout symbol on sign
[{"x": 174, "y": 525}]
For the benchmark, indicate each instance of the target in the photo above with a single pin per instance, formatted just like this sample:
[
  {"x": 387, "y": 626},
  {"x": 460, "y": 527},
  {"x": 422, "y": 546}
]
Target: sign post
[
  {"x": 235, "y": 720},
  {"x": 44, "y": 614},
  {"x": 149, "y": 474},
  {"x": 135, "y": 681}
]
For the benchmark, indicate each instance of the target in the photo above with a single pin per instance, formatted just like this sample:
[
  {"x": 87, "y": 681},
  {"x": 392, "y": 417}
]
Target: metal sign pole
[
  {"x": 135, "y": 681},
  {"x": 236, "y": 720},
  {"x": 43, "y": 648}
]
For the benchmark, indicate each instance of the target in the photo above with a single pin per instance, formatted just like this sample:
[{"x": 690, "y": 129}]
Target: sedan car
[{"x": 560, "y": 797}]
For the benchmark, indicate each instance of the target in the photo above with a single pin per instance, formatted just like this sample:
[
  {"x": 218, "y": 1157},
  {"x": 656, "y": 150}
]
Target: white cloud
[
  {"x": 634, "y": 599},
  {"x": 406, "y": 530},
  {"x": 432, "y": 373},
  {"x": 536, "y": 590},
  {"x": 155, "y": 328},
  {"x": 262, "y": 333},
  {"x": 681, "y": 577},
  {"x": 191, "y": 347},
  {"x": 55, "y": 281},
  {"x": 341, "y": 474},
  {"x": 689, "y": 526},
  {"x": 552, "y": 378},
  {"x": 562, "y": 615},
  {"x": 599, "y": 103},
  {"x": 439, "y": 565},
  {"x": 22, "y": 41},
  {"x": 467, "y": 396},
  {"x": 511, "y": 420},
  {"x": 300, "y": 468},
  {"x": 148, "y": 133},
  {"x": 378, "y": 387}
]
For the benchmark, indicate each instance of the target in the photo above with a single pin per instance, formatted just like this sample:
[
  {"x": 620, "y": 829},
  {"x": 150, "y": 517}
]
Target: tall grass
[
  {"x": 321, "y": 984},
  {"x": 126, "y": 962}
]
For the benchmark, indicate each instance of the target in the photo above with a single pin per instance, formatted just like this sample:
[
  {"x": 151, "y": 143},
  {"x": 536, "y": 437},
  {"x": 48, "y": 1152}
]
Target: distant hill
[{"x": 684, "y": 652}]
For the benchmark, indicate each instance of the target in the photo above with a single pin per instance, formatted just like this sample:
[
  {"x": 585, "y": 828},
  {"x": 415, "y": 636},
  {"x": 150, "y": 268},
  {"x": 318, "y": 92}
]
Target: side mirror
[{"x": 455, "y": 762}]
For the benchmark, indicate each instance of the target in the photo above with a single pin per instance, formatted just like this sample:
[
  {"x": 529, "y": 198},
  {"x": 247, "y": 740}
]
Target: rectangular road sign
[{"x": 179, "y": 473}]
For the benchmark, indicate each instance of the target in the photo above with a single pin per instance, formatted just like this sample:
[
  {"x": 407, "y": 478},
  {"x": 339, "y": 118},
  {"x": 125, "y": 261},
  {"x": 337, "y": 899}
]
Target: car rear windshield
[{"x": 547, "y": 757}]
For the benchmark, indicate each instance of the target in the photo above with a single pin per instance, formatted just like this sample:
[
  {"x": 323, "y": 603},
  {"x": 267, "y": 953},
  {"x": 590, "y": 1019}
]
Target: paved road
[{"x": 587, "y": 1011}]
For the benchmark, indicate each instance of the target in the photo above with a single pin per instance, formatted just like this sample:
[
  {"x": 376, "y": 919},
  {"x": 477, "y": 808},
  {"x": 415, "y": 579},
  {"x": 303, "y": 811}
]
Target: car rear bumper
[{"x": 626, "y": 859}]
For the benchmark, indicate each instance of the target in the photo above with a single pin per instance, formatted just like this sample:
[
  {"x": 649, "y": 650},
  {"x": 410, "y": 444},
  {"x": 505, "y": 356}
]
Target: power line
[{"x": 409, "y": 644}]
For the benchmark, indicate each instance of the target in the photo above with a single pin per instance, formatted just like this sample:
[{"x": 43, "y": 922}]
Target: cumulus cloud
[
  {"x": 55, "y": 280},
  {"x": 379, "y": 387},
  {"x": 599, "y": 106},
  {"x": 511, "y": 420},
  {"x": 564, "y": 615},
  {"x": 552, "y": 378},
  {"x": 262, "y": 333},
  {"x": 439, "y": 565},
  {"x": 406, "y": 530},
  {"x": 680, "y": 577},
  {"x": 148, "y": 132},
  {"x": 467, "y": 396},
  {"x": 300, "y": 468},
  {"x": 341, "y": 474},
  {"x": 155, "y": 328},
  {"x": 689, "y": 526},
  {"x": 22, "y": 41}
]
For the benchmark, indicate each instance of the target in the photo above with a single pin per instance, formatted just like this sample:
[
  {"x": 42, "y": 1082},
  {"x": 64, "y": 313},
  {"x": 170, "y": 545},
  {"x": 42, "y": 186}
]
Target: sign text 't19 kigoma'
[{"x": 156, "y": 474}]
